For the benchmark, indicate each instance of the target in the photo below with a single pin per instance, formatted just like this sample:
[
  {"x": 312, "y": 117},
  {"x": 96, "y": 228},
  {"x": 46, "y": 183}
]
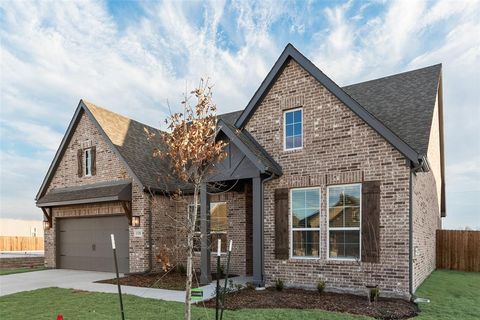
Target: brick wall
[
  {"x": 169, "y": 235},
  {"x": 23, "y": 262},
  {"x": 338, "y": 148},
  {"x": 426, "y": 209},
  {"x": 109, "y": 168}
]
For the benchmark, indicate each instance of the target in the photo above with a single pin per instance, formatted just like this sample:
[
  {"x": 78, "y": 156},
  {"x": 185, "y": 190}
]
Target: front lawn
[
  {"x": 78, "y": 305},
  {"x": 4, "y": 272},
  {"x": 453, "y": 295}
]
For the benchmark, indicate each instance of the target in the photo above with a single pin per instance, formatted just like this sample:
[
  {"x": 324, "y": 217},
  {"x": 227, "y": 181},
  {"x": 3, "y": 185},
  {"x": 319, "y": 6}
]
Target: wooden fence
[
  {"x": 21, "y": 243},
  {"x": 458, "y": 250}
]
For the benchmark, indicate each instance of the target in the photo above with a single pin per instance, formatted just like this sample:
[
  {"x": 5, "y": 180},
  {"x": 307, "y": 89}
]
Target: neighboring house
[{"x": 344, "y": 185}]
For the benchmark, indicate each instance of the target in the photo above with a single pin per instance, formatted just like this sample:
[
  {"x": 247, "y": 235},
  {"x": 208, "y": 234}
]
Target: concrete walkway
[{"x": 85, "y": 280}]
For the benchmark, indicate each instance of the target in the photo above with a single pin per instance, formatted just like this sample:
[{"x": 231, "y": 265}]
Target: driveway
[{"x": 85, "y": 280}]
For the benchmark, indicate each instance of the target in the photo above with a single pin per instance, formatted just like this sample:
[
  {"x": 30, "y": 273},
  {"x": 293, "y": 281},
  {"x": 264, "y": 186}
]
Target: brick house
[{"x": 321, "y": 182}]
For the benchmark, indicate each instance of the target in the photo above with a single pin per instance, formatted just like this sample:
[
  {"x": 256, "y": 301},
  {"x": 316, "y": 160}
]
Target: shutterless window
[
  {"x": 344, "y": 214},
  {"x": 88, "y": 161},
  {"x": 218, "y": 226},
  {"x": 305, "y": 222},
  {"x": 293, "y": 129}
]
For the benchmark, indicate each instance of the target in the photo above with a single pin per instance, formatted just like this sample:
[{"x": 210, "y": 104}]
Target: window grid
[
  {"x": 297, "y": 229},
  {"x": 334, "y": 229},
  {"x": 88, "y": 162}
]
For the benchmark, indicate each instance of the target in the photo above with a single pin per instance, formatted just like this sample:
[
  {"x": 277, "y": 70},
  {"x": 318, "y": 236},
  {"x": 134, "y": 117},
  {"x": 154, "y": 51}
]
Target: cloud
[{"x": 54, "y": 53}]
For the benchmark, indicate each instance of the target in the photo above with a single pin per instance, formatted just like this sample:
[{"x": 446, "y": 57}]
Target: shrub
[
  {"x": 279, "y": 284},
  {"x": 181, "y": 269},
  {"x": 373, "y": 294},
  {"x": 250, "y": 285},
  {"x": 320, "y": 286}
]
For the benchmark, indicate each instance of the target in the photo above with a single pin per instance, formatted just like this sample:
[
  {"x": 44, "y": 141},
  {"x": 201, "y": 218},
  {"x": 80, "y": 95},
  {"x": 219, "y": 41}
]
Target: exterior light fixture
[
  {"x": 136, "y": 221},
  {"x": 46, "y": 225}
]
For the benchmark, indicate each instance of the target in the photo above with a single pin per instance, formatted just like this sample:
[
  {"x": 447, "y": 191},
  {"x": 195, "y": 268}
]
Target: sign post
[
  {"x": 219, "y": 245},
  {"x": 118, "y": 278},
  {"x": 226, "y": 279}
]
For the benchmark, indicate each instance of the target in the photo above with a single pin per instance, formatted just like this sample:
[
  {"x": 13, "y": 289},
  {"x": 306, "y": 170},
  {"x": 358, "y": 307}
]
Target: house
[{"x": 340, "y": 184}]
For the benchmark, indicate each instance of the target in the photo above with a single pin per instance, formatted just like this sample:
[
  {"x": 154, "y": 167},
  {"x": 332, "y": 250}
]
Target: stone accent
[{"x": 338, "y": 148}]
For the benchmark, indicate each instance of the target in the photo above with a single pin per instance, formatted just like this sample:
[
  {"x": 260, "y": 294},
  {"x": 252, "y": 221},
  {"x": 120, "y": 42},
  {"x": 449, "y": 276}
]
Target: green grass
[
  {"x": 4, "y": 272},
  {"x": 452, "y": 294},
  {"x": 72, "y": 304}
]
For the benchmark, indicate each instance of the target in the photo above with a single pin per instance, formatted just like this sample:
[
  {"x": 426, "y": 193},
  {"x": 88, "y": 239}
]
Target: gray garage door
[{"x": 84, "y": 243}]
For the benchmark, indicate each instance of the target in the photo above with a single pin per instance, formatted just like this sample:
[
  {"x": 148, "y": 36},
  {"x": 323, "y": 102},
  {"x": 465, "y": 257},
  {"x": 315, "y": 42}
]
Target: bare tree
[{"x": 192, "y": 149}]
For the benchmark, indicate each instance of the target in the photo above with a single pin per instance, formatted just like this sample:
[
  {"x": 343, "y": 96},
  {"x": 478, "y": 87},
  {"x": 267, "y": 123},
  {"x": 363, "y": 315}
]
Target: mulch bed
[
  {"x": 172, "y": 280},
  {"x": 304, "y": 299}
]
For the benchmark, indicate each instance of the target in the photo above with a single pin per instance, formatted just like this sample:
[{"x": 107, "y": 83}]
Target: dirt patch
[
  {"x": 304, "y": 299},
  {"x": 172, "y": 280}
]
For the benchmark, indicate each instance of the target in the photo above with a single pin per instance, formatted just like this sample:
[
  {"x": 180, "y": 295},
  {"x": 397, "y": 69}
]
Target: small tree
[{"x": 192, "y": 149}]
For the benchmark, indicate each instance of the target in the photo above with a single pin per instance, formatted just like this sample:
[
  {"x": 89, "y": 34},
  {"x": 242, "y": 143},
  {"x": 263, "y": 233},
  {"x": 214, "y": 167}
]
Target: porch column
[
  {"x": 206, "y": 274},
  {"x": 257, "y": 223}
]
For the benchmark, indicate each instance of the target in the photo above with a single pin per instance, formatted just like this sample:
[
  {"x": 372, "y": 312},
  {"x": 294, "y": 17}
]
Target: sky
[{"x": 137, "y": 58}]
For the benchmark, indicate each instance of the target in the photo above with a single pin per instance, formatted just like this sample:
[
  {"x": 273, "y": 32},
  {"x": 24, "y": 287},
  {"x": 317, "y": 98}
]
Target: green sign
[{"x": 197, "y": 294}]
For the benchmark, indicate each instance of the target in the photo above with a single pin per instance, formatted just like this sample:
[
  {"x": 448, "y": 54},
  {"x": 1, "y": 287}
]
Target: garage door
[{"x": 84, "y": 243}]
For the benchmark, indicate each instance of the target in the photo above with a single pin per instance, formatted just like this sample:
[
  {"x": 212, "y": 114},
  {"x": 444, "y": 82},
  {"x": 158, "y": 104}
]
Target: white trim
[
  {"x": 344, "y": 228},
  {"x": 291, "y": 229},
  {"x": 285, "y": 129}
]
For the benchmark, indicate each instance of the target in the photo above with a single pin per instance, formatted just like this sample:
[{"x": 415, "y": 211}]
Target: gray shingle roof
[
  {"x": 106, "y": 191},
  {"x": 403, "y": 102}
]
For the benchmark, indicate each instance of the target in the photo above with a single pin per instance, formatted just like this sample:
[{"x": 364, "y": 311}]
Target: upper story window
[
  {"x": 293, "y": 129},
  {"x": 344, "y": 213},
  {"x": 305, "y": 222},
  {"x": 87, "y": 157}
]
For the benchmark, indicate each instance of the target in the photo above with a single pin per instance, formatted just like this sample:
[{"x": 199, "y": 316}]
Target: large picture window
[
  {"x": 293, "y": 129},
  {"x": 305, "y": 222},
  {"x": 344, "y": 214}
]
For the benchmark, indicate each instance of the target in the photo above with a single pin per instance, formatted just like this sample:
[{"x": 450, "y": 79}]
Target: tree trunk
[{"x": 192, "y": 217}]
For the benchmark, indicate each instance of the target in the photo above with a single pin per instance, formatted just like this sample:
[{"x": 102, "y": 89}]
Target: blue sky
[{"x": 137, "y": 57}]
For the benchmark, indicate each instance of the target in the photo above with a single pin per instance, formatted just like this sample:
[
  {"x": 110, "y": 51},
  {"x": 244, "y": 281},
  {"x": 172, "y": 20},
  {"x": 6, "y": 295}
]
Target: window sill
[{"x": 296, "y": 150}]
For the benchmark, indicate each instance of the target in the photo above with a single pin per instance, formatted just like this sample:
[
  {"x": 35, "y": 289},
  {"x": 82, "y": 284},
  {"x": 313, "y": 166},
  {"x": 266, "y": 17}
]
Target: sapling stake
[
  {"x": 118, "y": 278},
  {"x": 226, "y": 279},
  {"x": 219, "y": 245}
]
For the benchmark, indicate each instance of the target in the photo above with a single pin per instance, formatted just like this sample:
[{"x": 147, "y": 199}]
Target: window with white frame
[
  {"x": 87, "y": 161},
  {"x": 305, "y": 222},
  {"x": 344, "y": 215},
  {"x": 293, "y": 129}
]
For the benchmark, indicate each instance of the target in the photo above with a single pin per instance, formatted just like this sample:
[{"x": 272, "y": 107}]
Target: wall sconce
[
  {"x": 136, "y": 221},
  {"x": 46, "y": 225}
]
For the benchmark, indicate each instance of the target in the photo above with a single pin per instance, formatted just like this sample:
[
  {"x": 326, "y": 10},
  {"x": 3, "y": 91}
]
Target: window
[
  {"x": 344, "y": 214},
  {"x": 305, "y": 222},
  {"x": 293, "y": 129},
  {"x": 218, "y": 226},
  {"x": 88, "y": 161}
]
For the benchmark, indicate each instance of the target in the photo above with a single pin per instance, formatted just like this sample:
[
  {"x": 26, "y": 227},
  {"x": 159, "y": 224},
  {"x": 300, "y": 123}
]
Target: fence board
[
  {"x": 21, "y": 243},
  {"x": 458, "y": 250}
]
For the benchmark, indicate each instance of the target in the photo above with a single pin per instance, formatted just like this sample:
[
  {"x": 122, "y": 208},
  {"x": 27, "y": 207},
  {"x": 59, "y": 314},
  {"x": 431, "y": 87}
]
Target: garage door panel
[{"x": 84, "y": 243}]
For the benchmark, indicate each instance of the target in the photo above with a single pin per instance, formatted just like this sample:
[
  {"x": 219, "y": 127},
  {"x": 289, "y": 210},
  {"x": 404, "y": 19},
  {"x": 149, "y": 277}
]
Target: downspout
[
  {"x": 263, "y": 215},
  {"x": 410, "y": 234}
]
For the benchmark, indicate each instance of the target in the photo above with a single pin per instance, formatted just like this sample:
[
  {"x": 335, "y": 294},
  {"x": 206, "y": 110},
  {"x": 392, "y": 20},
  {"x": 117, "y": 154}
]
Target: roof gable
[{"x": 291, "y": 53}]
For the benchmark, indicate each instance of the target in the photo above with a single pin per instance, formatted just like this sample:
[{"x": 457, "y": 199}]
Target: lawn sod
[
  {"x": 7, "y": 271},
  {"x": 453, "y": 295}
]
